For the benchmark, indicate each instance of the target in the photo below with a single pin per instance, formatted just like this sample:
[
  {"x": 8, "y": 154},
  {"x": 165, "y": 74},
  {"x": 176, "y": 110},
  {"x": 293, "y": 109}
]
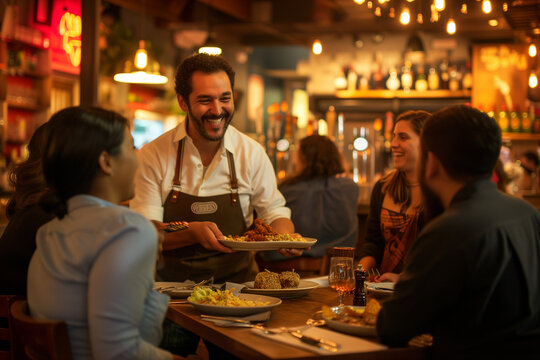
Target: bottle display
[
  {"x": 433, "y": 79},
  {"x": 421, "y": 83},
  {"x": 515, "y": 121},
  {"x": 393, "y": 82},
  {"x": 526, "y": 122},
  {"x": 406, "y": 77},
  {"x": 504, "y": 122}
]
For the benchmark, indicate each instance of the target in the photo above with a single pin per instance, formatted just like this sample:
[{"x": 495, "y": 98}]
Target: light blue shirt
[{"x": 94, "y": 269}]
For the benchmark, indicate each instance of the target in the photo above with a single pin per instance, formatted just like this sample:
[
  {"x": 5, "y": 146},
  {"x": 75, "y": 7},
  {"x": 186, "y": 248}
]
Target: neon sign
[{"x": 70, "y": 29}]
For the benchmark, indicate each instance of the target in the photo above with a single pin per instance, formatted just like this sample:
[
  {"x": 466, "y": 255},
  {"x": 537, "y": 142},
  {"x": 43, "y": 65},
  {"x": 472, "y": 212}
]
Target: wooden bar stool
[
  {"x": 41, "y": 339},
  {"x": 5, "y": 326}
]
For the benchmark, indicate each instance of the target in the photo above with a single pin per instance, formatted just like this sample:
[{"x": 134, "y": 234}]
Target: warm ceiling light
[
  {"x": 486, "y": 6},
  {"x": 142, "y": 73},
  {"x": 210, "y": 50},
  {"x": 533, "y": 81},
  {"x": 420, "y": 18},
  {"x": 141, "y": 56},
  {"x": 451, "y": 27},
  {"x": 463, "y": 8},
  {"x": 317, "y": 47},
  {"x": 359, "y": 2},
  {"x": 532, "y": 50},
  {"x": 493, "y": 22},
  {"x": 405, "y": 17},
  {"x": 369, "y": 4},
  {"x": 378, "y": 11},
  {"x": 505, "y": 7},
  {"x": 439, "y": 5}
]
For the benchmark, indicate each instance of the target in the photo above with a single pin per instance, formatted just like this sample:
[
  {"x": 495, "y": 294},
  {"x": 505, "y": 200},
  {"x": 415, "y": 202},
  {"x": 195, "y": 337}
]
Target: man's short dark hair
[
  {"x": 466, "y": 141},
  {"x": 208, "y": 64}
]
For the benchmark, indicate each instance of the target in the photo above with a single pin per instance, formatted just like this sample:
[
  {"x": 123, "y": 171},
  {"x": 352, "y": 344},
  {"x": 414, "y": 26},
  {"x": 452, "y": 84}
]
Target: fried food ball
[
  {"x": 289, "y": 279},
  {"x": 267, "y": 280}
]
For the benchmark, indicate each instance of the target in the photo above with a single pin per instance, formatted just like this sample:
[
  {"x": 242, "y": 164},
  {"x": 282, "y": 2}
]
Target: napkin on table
[{"x": 349, "y": 344}]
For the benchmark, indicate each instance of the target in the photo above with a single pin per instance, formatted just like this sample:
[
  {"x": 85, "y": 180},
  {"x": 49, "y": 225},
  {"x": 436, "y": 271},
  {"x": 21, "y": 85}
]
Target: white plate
[
  {"x": 239, "y": 310},
  {"x": 176, "y": 291},
  {"x": 267, "y": 245},
  {"x": 380, "y": 288},
  {"x": 304, "y": 287},
  {"x": 353, "y": 329}
]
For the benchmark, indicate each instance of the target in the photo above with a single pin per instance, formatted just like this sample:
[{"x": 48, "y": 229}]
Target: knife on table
[{"x": 319, "y": 342}]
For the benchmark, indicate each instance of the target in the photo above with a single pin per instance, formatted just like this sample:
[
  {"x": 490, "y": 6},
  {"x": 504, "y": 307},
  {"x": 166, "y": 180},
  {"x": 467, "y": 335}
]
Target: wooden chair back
[
  {"x": 42, "y": 339},
  {"x": 6, "y": 347}
]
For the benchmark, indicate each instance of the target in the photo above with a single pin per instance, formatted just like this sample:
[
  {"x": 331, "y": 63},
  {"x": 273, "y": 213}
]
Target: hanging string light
[
  {"x": 451, "y": 26},
  {"x": 439, "y": 5},
  {"x": 317, "y": 47},
  {"x": 533, "y": 80},
  {"x": 486, "y": 6},
  {"x": 532, "y": 50},
  {"x": 405, "y": 17}
]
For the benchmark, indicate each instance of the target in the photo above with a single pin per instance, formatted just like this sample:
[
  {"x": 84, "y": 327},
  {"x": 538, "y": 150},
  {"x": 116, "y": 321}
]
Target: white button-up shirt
[{"x": 257, "y": 188}]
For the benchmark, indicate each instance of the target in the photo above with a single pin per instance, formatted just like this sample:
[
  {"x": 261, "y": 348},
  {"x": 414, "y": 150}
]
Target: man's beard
[
  {"x": 199, "y": 124},
  {"x": 433, "y": 206}
]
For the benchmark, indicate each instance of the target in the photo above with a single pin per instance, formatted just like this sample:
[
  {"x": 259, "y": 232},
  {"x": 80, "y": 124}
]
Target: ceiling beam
[
  {"x": 240, "y": 9},
  {"x": 154, "y": 8}
]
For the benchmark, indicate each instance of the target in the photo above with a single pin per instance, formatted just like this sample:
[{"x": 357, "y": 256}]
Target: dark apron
[{"x": 194, "y": 262}]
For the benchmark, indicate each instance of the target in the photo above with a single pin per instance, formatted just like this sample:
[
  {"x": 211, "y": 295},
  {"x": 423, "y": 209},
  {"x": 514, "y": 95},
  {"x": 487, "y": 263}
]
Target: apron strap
[
  {"x": 234, "y": 180},
  {"x": 176, "y": 187}
]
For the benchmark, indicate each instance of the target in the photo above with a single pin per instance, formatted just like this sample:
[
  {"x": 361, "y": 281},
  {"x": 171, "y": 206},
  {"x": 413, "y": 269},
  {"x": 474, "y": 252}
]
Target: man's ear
[
  {"x": 182, "y": 103},
  {"x": 105, "y": 164},
  {"x": 433, "y": 166}
]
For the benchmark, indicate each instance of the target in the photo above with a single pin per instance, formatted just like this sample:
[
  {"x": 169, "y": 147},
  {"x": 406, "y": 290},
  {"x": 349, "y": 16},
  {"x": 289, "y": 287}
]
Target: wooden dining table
[{"x": 244, "y": 344}]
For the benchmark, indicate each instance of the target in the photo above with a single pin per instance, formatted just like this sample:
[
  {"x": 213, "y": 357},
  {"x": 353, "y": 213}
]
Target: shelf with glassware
[
  {"x": 403, "y": 94},
  {"x": 25, "y": 91}
]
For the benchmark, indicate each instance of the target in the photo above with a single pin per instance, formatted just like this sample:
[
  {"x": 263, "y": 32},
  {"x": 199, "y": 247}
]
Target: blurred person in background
[
  {"x": 395, "y": 213},
  {"x": 530, "y": 164},
  {"x": 472, "y": 277},
  {"x": 322, "y": 198},
  {"x": 94, "y": 263},
  {"x": 25, "y": 215}
]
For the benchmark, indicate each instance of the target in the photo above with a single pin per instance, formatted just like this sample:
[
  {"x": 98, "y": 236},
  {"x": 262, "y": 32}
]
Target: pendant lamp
[{"x": 142, "y": 70}]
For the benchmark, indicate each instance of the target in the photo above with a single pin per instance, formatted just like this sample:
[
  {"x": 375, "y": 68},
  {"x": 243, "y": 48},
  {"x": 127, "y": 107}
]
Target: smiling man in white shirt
[{"x": 208, "y": 173}]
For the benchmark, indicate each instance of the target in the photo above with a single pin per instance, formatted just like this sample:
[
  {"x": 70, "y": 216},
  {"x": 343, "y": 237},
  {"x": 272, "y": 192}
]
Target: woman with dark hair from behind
[
  {"x": 94, "y": 264},
  {"x": 18, "y": 240},
  {"x": 396, "y": 207},
  {"x": 322, "y": 199}
]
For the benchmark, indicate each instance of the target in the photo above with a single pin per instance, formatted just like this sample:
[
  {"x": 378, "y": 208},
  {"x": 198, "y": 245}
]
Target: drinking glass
[{"x": 341, "y": 276}]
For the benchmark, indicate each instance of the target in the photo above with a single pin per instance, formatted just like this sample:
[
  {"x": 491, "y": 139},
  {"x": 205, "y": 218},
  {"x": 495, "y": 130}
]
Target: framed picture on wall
[{"x": 43, "y": 12}]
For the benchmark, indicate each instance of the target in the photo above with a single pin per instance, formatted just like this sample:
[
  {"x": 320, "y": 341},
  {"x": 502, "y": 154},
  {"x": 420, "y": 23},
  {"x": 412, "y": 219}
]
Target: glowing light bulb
[
  {"x": 405, "y": 17},
  {"x": 359, "y": 2},
  {"x": 439, "y": 5},
  {"x": 486, "y": 6},
  {"x": 141, "y": 56},
  {"x": 493, "y": 22},
  {"x": 451, "y": 27},
  {"x": 464, "y": 8},
  {"x": 420, "y": 18},
  {"x": 317, "y": 47},
  {"x": 533, "y": 81},
  {"x": 532, "y": 50},
  {"x": 505, "y": 7}
]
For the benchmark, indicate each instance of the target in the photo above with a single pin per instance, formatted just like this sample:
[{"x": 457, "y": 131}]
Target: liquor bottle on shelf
[
  {"x": 515, "y": 121},
  {"x": 393, "y": 83},
  {"x": 421, "y": 83},
  {"x": 492, "y": 114},
  {"x": 526, "y": 122},
  {"x": 502, "y": 119},
  {"x": 433, "y": 79},
  {"x": 377, "y": 77},
  {"x": 406, "y": 76},
  {"x": 453, "y": 82},
  {"x": 352, "y": 78},
  {"x": 467, "y": 81},
  {"x": 536, "y": 122},
  {"x": 331, "y": 120},
  {"x": 445, "y": 75}
]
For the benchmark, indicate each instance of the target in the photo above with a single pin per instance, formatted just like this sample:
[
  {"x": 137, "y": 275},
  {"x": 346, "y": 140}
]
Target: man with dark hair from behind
[{"x": 472, "y": 276}]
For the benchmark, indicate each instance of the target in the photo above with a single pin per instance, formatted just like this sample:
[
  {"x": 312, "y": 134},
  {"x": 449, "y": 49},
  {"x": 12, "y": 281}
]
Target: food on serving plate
[
  {"x": 263, "y": 232},
  {"x": 205, "y": 295},
  {"x": 289, "y": 279},
  {"x": 354, "y": 316},
  {"x": 267, "y": 280},
  {"x": 175, "y": 226}
]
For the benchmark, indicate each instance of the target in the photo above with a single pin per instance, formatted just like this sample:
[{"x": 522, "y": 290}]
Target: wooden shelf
[
  {"x": 402, "y": 94},
  {"x": 521, "y": 137}
]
